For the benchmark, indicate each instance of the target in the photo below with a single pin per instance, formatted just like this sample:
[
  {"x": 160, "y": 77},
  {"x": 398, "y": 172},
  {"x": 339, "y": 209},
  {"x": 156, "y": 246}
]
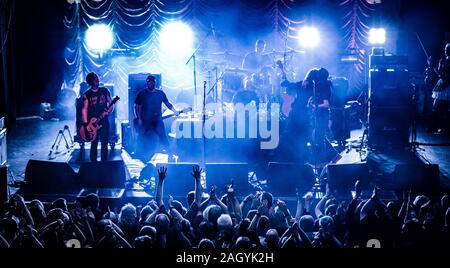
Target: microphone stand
[
  {"x": 192, "y": 57},
  {"x": 315, "y": 145},
  {"x": 203, "y": 124}
]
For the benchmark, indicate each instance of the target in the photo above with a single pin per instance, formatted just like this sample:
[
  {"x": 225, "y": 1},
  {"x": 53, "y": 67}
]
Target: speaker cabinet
[
  {"x": 112, "y": 118},
  {"x": 342, "y": 177},
  {"x": 389, "y": 126},
  {"x": 390, "y": 105},
  {"x": 221, "y": 174},
  {"x": 179, "y": 180},
  {"x": 420, "y": 178},
  {"x": 103, "y": 174},
  {"x": 284, "y": 178},
  {"x": 47, "y": 177},
  {"x": 389, "y": 87}
]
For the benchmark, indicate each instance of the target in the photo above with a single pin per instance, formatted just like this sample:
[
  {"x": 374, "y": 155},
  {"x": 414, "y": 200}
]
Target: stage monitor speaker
[
  {"x": 47, "y": 177},
  {"x": 136, "y": 83},
  {"x": 103, "y": 174},
  {"x": 3, "y": 186},
  {"x": 179, "y": 181},
  {"x": 284, "y": 178},
  {"x": 420, "y": 178},
  {"x": 221, "y": 174},
  {"x": 324, "y": 154},
  {"x": 342, "y": 177}
]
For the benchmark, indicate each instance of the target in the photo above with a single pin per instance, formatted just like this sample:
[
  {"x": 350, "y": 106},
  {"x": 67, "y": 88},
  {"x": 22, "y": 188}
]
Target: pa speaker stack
[{"x": 390, "y": 95}]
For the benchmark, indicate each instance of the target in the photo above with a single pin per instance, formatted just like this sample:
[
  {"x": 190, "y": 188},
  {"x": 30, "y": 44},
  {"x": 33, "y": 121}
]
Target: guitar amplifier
[
  {"x": 112, "y": 118},
  {"x": 136, "y": 83}
]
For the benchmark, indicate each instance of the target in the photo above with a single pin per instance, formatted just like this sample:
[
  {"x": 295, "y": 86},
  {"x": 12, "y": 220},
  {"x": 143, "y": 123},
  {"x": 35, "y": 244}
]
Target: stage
[{"x": 32, "y": 139}]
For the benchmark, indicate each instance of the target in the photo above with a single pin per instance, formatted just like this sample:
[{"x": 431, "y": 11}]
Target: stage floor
[{"x": 33, "y": 139}]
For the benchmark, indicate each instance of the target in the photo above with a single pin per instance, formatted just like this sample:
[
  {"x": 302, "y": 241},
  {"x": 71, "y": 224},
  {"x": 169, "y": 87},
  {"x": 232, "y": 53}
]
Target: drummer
[
  {"x": 256, "y": 60},
  {"x": 256, "y": 63}
]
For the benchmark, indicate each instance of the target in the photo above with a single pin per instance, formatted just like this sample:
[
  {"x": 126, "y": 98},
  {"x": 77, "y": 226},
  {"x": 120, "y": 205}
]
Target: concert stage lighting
[
  {"x": 377, "y": 36},
  {"x": 99, "y": 38},
  {"x": 176, "y": 38},
  {"x": 308, "y": 37}
]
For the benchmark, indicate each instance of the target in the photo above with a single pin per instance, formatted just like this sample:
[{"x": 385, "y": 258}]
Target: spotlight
[
  {"x": 99, "y": 38},
  {"x": 308, "y": 37},
  {"x": 377, "y": 36},
  {"x": 176, "y": 38}
]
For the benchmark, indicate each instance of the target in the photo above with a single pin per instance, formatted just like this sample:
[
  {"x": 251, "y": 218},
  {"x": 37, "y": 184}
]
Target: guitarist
[
  {"x": 298, "y": 131},
  {"x": 148, "y": 120},
  {"x": 441, "y": 94},
  {"x": 95, "y": 101}
]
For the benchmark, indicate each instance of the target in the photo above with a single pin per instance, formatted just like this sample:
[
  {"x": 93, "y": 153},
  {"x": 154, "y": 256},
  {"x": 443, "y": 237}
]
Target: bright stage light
[
  {"x": 99, "y": 38},
  {"x": 377, "y": 36},
  {"x": 308, "y": 37},
  {"x": 176, "y": 38}
]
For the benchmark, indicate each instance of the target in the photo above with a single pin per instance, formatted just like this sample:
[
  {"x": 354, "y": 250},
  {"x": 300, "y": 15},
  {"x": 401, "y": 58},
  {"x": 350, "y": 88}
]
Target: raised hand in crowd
[
  {"x": 283, "y": 207},
  {"x": 162, "y": 174},
  {"x": 321, "y": 203},
  {"x": 197, "y": 173},
  {"x": 20, "y": 209}
]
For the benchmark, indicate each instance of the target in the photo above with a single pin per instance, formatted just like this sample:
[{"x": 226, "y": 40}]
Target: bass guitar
[
  {"x": 139, "y": 128},
  {"x": 88, "y": 132}
]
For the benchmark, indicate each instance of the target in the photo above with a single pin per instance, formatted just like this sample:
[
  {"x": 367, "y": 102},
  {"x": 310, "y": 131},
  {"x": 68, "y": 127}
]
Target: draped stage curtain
[{"x": 237, "y": 24}]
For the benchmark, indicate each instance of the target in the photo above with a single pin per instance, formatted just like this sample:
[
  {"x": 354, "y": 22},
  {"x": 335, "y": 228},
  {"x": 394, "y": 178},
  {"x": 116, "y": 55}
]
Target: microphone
[{"x": 213, "y": 30}]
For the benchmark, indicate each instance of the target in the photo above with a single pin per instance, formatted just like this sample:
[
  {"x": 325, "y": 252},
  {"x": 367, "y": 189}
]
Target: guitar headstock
[
  {"x": 279, "y": 64},
  {"x": 186, "y": 110},
  {"x": 115, "y": 99}
]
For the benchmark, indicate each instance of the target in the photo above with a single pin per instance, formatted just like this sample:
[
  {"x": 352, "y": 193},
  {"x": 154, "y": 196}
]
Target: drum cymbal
[
  {"x": 225, "y": 53},
  {"x": 237, "y": 70},
  {"x": 205, "y": 61},
  {"x": 281, "y": 53}
]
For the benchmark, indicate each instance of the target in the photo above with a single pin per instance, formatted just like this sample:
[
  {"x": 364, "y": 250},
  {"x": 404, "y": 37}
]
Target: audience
[{"x": 205, "y": 221}]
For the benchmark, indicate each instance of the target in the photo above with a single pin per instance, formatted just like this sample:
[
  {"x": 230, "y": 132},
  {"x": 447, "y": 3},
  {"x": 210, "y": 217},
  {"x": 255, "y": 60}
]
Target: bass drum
[
  {"x": 230, "y": 83},
  {"x": 263, "y": 83}
]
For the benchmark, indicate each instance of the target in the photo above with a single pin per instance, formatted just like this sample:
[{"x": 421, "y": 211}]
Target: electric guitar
[
  {"x": 287, "y": 99},
  {"x": 88, "y": 132},
  {"x": 139, "y": 128}
]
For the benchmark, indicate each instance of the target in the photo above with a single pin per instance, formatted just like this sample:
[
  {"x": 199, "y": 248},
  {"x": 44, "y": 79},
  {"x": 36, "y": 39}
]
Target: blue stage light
[
  {"x": 308, "y": 37},
  {"x": 99, "y": 38},
  {"x": 377, "y": 36}
]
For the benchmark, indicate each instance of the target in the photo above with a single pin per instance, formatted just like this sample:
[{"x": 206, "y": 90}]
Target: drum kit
[{"x": 231, "y": 78}]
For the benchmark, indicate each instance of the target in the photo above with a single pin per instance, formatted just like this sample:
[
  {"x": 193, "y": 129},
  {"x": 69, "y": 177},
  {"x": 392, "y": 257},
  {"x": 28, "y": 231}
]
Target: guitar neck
[
  {"x": 102, "y": 115},
  {"x": 167, "y": 116},
  {"x": 283, "y": 73}
]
